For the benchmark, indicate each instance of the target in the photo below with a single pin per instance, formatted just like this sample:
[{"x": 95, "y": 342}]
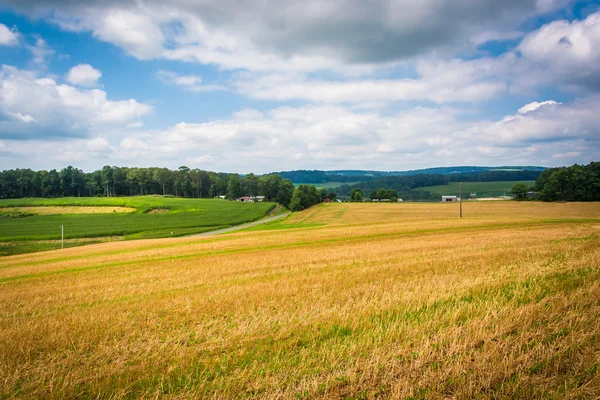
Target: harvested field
[{"x": 338, "y": 301}]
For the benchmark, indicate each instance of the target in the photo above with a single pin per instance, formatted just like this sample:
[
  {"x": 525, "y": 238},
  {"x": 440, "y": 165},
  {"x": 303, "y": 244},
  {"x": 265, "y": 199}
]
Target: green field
[
  {"x": 483, "y": 189},
  {"x": 328, "y": 185},
  {"x": 154, "y": 217}
]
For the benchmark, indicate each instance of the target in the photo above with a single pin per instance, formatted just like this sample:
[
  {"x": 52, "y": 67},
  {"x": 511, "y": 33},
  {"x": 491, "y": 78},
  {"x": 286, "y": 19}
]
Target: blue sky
[{"x": 261, "y": 86}]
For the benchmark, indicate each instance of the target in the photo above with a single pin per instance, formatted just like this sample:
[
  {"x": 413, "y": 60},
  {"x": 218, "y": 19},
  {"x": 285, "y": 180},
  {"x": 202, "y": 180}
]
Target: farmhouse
[
  {"x": 251, "y": 199},
  {"x": 450, "y": 198}
]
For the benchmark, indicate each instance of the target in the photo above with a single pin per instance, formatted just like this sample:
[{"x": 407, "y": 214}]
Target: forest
[{"x": 122, "y": 181}]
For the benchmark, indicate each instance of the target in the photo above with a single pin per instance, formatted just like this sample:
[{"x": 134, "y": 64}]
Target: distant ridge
[{"x": 350, "y": 175}]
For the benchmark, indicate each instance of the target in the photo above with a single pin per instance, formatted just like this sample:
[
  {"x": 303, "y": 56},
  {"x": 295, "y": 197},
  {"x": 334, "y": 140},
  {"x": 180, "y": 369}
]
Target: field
[
  {"x": 327, "y": 185},
  {"x": 345, "y": 300},
  {"x": 34, "y": 224},
  {"x": 483, "y": 189}
]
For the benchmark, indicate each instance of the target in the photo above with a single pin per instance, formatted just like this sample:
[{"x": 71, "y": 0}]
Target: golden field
[{"x": 338, "y": 301}]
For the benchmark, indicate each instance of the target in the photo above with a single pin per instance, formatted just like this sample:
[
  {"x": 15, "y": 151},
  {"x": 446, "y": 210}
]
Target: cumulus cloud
[
  {"x": 333, "y": 137},
  {"x": 192, "y": 83},
  {"x": 544, "y": 122},
  {"x": 83, "y": 75},
  {"x": 36, "y": 106},
  {"x": 336, "y": 137},
  {"x": 563, "y": 52},
  {"x": 435, "y": 83},
  {"x": 286, "y": 35},
  {"x": 8, "y": 37}
]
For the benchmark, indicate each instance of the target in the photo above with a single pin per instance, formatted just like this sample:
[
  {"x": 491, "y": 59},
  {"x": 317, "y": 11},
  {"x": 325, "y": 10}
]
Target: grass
[
  {"x": 349, "y": 301},
  {"x": 483, "y": 189},
  {"x": 328, "y": 185},
  {"x": 177, "y": 217}
]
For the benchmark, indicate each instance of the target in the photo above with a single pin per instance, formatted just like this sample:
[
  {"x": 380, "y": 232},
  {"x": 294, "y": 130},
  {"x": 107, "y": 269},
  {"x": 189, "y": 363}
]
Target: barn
[{"x": 450, "y": 198}]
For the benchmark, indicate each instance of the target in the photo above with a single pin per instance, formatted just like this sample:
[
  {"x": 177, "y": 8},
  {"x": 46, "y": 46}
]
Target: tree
[
  {"x": 382, "y": 194},
  {"x": 285, "y": 192},
  {"x": 269, "y": 186},
  {"x": 51, "y": 184},
  {"x": 250, "y": 185},
  {"x": 107, "y": 179},
  {"x": 182, "y": 181},
  {"x": 520, "y": 191},
  {"x": 373, "y": 195},
  {"x": 162, "y": 176},
  {"x": 356, "y": 195},
  {"x": 298, "y": 201},
  {"x": 323, "y": 193},
  {"x": 331, "y": 196},
  {"x": 234, "y": 187}
]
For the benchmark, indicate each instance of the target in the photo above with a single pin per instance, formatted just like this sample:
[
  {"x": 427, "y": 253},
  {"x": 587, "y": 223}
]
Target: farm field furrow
[{"x": 338, "y": 301}]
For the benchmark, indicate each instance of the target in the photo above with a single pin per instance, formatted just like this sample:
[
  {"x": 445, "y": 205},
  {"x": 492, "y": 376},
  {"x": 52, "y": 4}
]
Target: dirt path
[{"x": 242, "y": 226}]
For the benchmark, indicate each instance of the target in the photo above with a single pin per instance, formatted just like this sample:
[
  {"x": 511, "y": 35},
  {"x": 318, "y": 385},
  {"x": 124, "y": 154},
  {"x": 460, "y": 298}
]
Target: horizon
[
  {"x": 344, "y": 85},
  {"x": 493, "y": 168}
]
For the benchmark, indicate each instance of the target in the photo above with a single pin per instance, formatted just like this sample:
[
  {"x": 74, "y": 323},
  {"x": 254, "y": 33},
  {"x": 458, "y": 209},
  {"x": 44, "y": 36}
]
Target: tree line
[
  {"x": 574, "y": 183},
  {"x": 122, "y": 181}
]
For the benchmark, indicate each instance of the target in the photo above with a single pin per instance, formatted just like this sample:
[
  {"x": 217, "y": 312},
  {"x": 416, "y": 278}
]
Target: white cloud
[
  {"x": 8, "y": 37},
  {"x": 192, "y": 83},
  {"x": 137, "y": 31},
  {"x": 535, "y": 105},
  {"x": 24, "y": 118},
  {"x": 438, "y": 82},
  {"x": 40, "y": 50},
  {"x": 335, "y": 137},
  {"x": 564, "y": 53},
  {"x": 544, "y": 122},
  {"x": 289, "y": 36},
  {"x": 58, "y": 110},
  {"x": 83, "y": 75}
]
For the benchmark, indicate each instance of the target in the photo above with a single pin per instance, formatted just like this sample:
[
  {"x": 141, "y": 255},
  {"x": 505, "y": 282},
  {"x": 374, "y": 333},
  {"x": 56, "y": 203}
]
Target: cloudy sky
[{"x": 265, "y": 85}]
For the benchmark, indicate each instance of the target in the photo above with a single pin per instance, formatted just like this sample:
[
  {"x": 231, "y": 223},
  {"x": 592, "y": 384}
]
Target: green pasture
[
  {"x": 179, "y": 217},
  {"x": 328, "y": 185},
  {"x": 483, "y": 189}
]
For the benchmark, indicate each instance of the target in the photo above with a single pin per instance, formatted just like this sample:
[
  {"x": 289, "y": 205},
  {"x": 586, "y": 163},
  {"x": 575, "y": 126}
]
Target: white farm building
[{"x": 450, "y": 198}]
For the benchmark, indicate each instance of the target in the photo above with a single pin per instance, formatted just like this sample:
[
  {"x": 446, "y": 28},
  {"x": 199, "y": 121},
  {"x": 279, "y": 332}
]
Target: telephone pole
[
  {"x": 461, "y": 199},
  {"x": 62, "y": 237}
]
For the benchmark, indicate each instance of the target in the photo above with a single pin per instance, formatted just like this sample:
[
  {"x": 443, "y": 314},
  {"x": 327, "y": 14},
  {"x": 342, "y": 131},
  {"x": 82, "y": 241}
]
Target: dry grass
[
  {"x": 366, "y": 301},
  {"x": 57, "y": 210}
]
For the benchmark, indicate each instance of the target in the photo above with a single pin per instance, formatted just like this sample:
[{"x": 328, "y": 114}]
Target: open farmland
[
  {"x": 338, "y": 301},
  {"x": 483, "y": 189},
  {"x": 34, "y": 224}
]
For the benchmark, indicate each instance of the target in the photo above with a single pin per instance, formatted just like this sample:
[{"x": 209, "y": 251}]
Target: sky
[{"x": 271, "y": 85}]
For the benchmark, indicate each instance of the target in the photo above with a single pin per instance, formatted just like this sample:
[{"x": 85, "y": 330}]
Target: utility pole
[
  {"x": 461, "y": 199},
  {"x": 62, "y": 237}
]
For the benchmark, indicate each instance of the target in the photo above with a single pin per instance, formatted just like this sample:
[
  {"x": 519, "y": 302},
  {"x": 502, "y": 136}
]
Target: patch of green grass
[
  {"x": 483, "y": 189},
  {"x": 14, "y": 248}
]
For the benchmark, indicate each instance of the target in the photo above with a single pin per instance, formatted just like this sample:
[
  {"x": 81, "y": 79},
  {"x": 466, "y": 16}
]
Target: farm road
[{"x": 242, "y": 226}]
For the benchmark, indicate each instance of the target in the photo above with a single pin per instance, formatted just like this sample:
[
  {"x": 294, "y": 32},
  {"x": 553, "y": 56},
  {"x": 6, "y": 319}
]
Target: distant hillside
[
  {"x": 417, "y": 187},
  {"x": 319, "y": 176}
]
